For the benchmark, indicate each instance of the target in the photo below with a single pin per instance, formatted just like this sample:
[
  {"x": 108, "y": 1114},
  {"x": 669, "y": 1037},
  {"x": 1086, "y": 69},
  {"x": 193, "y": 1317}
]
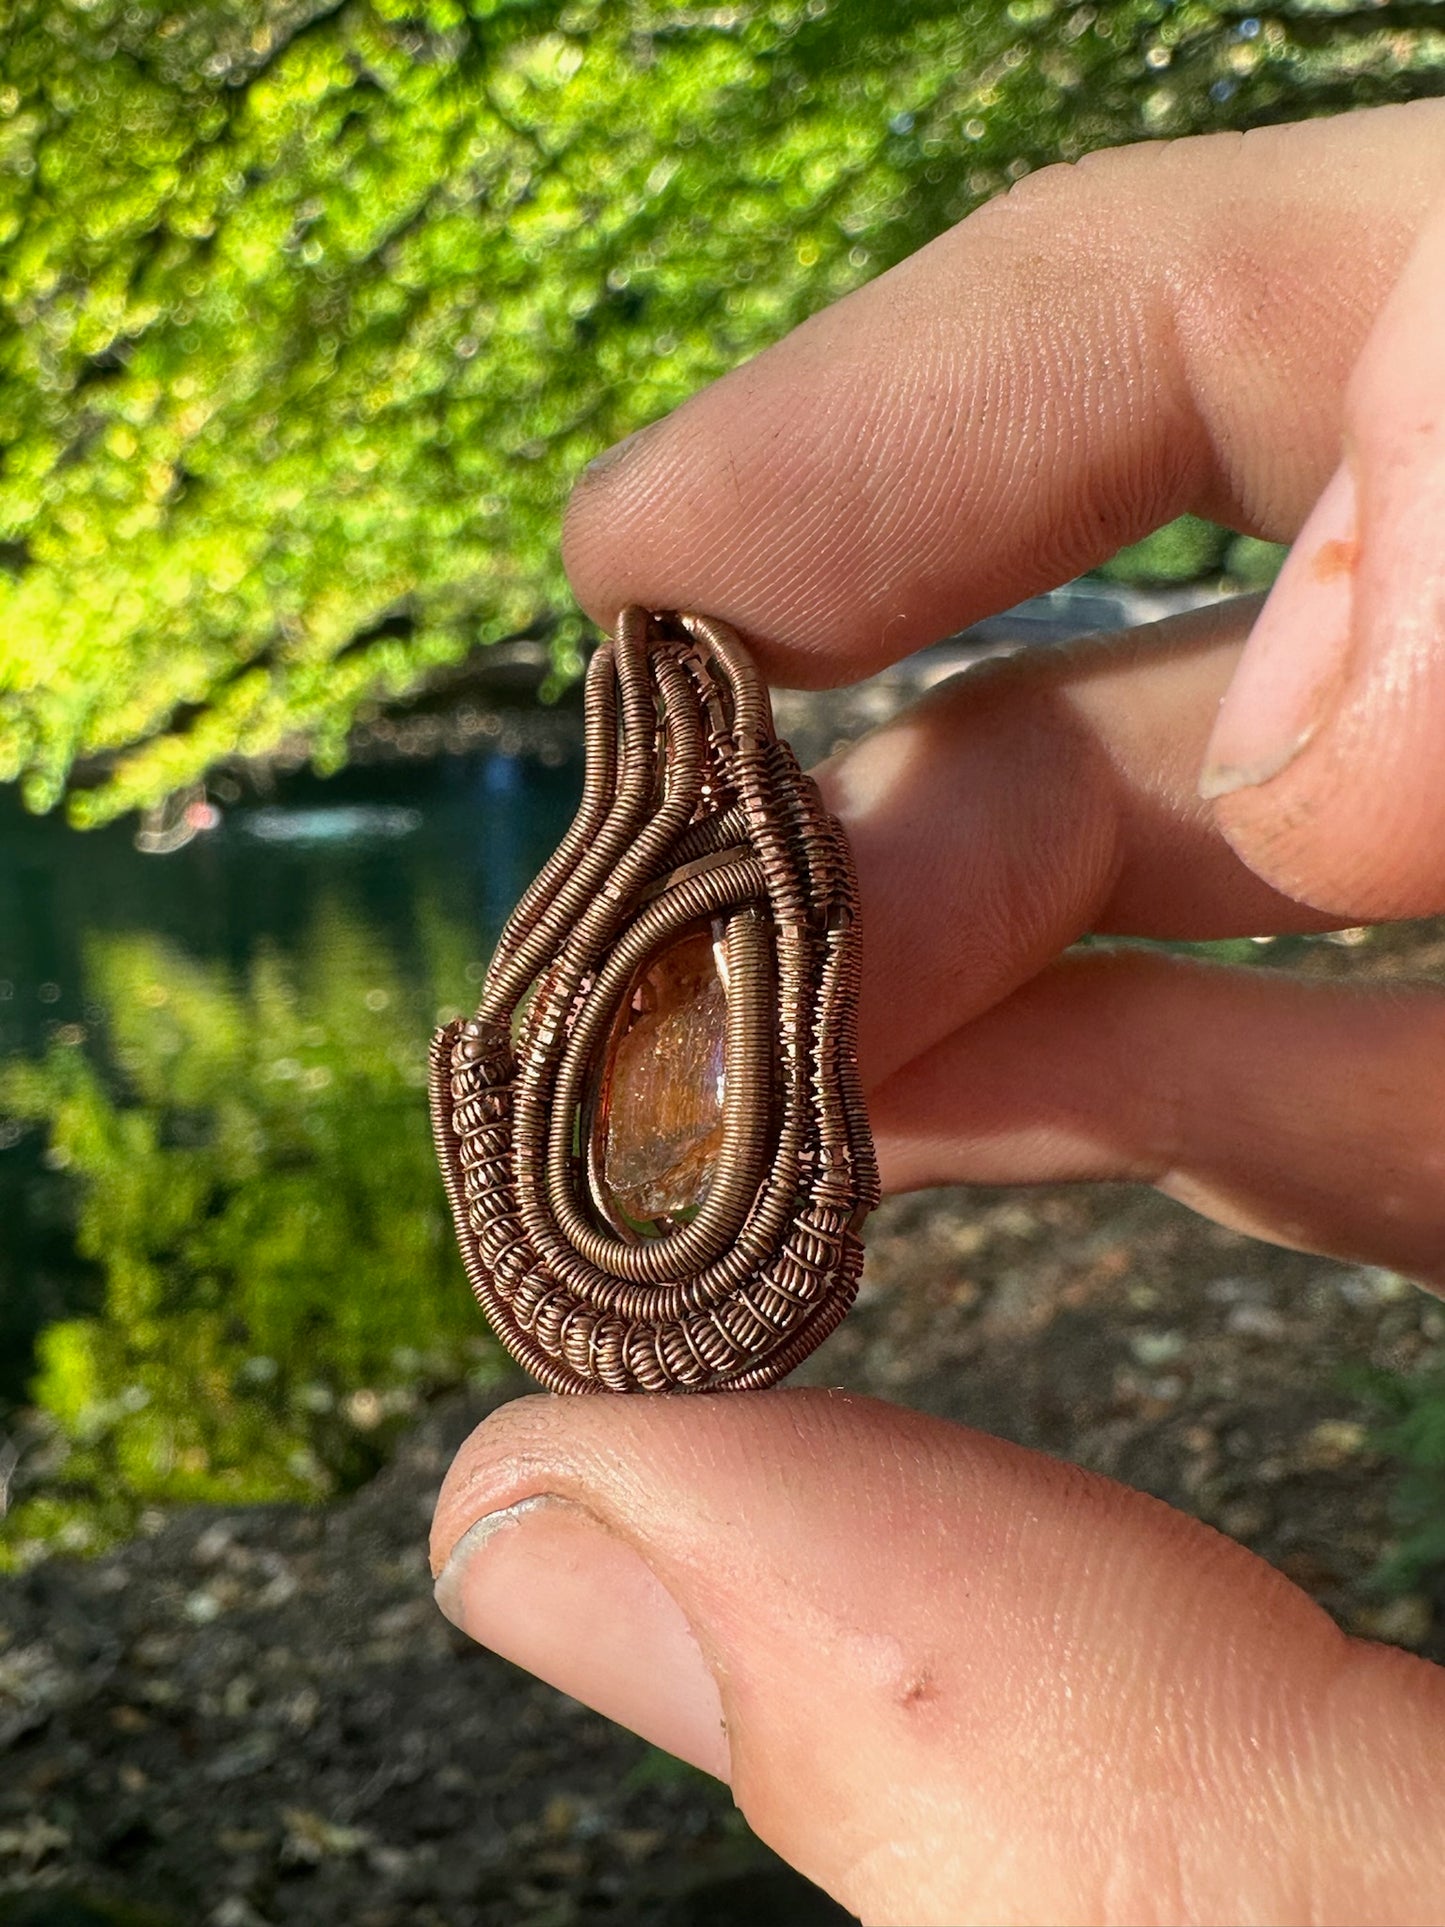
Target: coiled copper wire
[{"x": 692, "y": 811}]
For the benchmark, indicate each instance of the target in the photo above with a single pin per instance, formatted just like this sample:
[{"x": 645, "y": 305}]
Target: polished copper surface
[{"x": 693, "y": 816}]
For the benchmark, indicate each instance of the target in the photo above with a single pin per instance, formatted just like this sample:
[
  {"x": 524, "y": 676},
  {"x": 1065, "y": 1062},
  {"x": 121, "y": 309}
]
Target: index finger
[{"x": 1159, "y": 329}]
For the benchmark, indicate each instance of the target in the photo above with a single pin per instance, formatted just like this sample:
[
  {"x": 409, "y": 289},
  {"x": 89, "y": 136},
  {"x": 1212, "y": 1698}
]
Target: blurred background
[{"x": 309, "y": 315}]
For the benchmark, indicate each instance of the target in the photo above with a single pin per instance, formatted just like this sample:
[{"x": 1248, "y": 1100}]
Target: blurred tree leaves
[
  {"x": 309, "y": 314},
  {"x": 257, "y": 1188}
]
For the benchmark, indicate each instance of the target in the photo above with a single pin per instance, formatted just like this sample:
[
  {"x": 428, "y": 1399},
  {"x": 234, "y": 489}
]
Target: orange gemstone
[{"x": 664, "y": 1081}]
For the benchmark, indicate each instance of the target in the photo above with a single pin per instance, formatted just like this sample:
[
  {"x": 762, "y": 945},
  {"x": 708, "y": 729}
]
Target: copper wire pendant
[{"x": 652, "y": 1132}]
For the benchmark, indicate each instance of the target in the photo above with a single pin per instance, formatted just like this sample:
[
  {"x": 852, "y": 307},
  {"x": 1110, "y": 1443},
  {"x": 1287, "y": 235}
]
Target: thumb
[
  {"x": 1327, "y": 759},
  {"x": 949, "y": 1680}
]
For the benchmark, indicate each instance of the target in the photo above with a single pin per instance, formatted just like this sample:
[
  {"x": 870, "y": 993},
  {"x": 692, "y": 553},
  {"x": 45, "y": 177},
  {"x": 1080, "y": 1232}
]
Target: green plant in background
[
  {"x": 1189, "y": 549},
  {"x": 1409, "y": 1430},
  {"x": 281, "y": 1282},
  {"x": 311, "y": 309},
  {"x": 1186, "y": 549}
]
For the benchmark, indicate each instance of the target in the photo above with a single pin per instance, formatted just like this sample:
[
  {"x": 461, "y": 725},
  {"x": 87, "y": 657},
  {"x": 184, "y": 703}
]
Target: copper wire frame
[{"x": 692, "y": 810}]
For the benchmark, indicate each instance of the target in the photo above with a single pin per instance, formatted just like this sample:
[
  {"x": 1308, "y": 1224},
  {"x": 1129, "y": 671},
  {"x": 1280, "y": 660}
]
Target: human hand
[{"x": 951, "y": 1680}]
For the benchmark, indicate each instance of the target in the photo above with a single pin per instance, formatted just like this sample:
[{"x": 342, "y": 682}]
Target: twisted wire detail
[{"x": 693, "y": 812}]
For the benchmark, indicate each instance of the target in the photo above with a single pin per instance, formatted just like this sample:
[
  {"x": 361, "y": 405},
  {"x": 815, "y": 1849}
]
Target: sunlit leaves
[{"x": 309, "y": 312}]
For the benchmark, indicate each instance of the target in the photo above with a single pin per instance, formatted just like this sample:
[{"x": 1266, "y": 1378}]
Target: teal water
[{"x": 226, "y": 1270}]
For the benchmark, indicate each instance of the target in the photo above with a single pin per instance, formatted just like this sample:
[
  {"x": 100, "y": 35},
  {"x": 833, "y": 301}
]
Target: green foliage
[
  {"x": 1189, "y": 549},
  {"x": 1410, "y": 1430},
  {"x": 1181, "y": 551},
  {"x": 311, "y": 309},
  {"x": 281, "y": 1282},
  {"x": 1252, "y": 564}
]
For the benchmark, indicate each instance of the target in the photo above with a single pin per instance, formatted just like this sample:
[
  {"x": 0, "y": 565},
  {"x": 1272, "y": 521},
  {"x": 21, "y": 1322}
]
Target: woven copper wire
[{"x": 692, "y": 812}]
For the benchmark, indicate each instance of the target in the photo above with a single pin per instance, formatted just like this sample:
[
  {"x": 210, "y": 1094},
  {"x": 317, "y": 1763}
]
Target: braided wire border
[{"x": 692, "y": 809}]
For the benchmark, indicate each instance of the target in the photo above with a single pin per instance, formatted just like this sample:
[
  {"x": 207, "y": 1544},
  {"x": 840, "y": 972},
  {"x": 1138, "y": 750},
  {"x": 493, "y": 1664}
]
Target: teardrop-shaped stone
[{"x": 663, "y": 1083}]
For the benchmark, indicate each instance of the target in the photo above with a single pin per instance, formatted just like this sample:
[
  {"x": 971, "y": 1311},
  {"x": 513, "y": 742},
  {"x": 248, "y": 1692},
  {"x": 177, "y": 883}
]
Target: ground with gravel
[{"x": 257, "y": 1716}]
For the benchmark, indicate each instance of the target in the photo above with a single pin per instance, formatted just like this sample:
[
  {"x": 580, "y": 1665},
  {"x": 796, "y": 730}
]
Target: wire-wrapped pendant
[{"x": 652, "y": 1132}]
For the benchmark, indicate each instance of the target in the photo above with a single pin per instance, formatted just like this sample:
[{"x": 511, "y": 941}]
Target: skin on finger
[
  {"x": 1156, "y": 329},
  {"x": 1029, "y": 801},
  {"x": 1303, "y": 1112},
  {"x": 564, "y": 1639},
  {"x": 964, "y": 1683},
  {"x": 1355, "y": 812}
]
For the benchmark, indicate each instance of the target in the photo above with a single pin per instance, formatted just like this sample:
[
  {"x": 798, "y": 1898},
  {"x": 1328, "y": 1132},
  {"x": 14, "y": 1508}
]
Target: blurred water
[{"x": 225, "y": 1265}]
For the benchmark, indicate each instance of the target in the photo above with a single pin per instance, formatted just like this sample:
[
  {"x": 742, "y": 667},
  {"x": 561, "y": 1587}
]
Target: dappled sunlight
[{"x": 312, "y": 315}]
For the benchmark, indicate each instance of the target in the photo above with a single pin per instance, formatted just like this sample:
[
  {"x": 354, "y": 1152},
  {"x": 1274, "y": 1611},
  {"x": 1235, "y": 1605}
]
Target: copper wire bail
[{"x": 691, "y": 809}]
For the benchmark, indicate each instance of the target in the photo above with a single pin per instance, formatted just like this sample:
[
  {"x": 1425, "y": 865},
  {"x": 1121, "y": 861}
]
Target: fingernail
[
  {"x": 1294, "y": 663},
  {"x": 548, "y": 1586},
  {"x": 607, "y": 464}
]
